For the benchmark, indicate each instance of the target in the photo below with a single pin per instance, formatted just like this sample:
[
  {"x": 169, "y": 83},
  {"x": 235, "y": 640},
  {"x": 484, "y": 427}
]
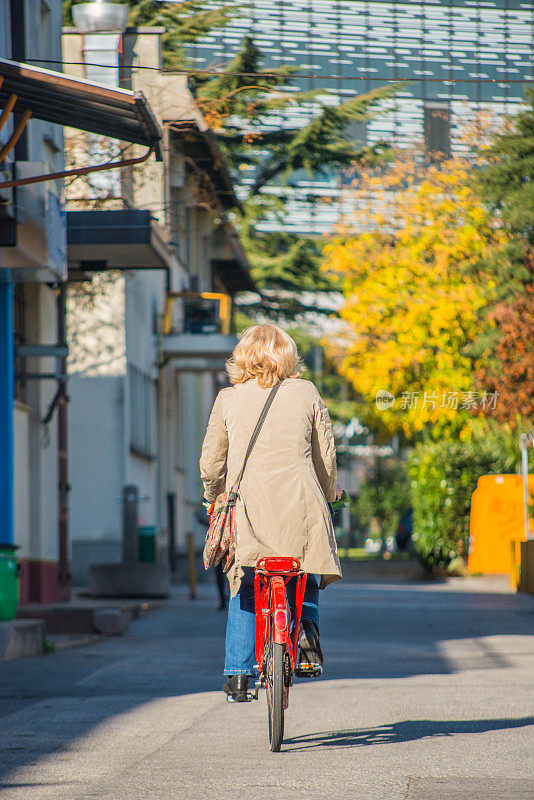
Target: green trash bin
[
  {"x": 9, "y": 582},
  {"x": 147, "y": 543}
]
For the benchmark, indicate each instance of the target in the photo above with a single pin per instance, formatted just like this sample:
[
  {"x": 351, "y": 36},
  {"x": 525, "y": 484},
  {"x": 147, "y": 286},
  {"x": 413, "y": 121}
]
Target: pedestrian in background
[{"x": 222, "y": 585}]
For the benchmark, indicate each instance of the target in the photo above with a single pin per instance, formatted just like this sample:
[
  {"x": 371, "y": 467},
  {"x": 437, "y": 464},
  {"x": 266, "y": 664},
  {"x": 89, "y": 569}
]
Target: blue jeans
[{"x": 240, "y": 627}]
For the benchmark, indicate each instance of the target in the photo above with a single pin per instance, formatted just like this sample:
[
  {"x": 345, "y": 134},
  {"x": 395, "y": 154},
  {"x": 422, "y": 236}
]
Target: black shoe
[
  {"x": 310, "y": 647},
  {"x": 236, "y": 687}
]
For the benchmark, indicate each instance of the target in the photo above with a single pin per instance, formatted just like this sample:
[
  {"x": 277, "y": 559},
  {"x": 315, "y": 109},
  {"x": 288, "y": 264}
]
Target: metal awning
[
  {"x": 233, "y": 274},
  {"x": 229, "y": 264},
  {"x": 202, "y": 148},
  {"x": 118, "y": 239},
  {"x": 73, "y": 102}
]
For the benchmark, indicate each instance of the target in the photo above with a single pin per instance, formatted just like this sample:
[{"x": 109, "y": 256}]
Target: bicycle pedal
[
  {"x": 307, "y": 670},
  {"x": 253, "y": 695},
  {"x": 250, "y": 697}
]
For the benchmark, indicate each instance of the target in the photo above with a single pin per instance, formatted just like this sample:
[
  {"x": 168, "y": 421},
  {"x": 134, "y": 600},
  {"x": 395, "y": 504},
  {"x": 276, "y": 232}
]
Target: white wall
[
  {"x": 22, "y": 478},
  {"x": 48, "y": 440},
  {"x": 42, "y": 477},
  {"x": 95, "y": 331},
  {"x": 178, "y": 417},
  {"x": 96, "y": 434},
  {"x": 36, "y": 445},
  {"x": 194, "y": 401},
  {"x": 145, "y": 300},
  {"x": 43, "y": 23}
]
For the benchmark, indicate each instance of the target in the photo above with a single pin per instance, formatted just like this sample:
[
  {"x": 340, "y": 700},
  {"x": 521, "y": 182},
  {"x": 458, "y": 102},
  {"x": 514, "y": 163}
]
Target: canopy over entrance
[{"x": 76, "y": 103}]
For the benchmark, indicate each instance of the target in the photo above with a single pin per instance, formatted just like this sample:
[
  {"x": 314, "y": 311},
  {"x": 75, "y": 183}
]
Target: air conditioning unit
[{"x": 31, "y": 198}]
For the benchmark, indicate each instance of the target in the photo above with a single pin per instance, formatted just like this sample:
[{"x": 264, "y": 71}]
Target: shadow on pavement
[
  {"x": 34, "y": 784},
  {"x": 384, "y": 630},
  {"x": 368, "y": 631},
  {"x": 407, "y": 731}
]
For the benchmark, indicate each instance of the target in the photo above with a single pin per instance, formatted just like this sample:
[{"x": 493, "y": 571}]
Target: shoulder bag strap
[{"x": 256, "y": 433}]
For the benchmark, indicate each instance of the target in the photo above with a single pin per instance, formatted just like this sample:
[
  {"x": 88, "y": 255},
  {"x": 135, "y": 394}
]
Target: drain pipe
[{"x": 6, "y": 409}]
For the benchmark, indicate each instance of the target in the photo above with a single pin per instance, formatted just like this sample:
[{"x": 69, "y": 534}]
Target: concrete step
[
  {"x": 130, "y": 579},
  {"x": 21, "y": 637}
]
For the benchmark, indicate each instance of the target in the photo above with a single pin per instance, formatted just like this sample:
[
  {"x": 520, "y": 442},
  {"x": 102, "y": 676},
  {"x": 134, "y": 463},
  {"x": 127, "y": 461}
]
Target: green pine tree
[
  {"x": 507, "y": 185},
  {"x": 239, "y": 101}
]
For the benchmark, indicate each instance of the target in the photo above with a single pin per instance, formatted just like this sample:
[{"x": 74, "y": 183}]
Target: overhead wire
[{"x": 306, "y": 75}]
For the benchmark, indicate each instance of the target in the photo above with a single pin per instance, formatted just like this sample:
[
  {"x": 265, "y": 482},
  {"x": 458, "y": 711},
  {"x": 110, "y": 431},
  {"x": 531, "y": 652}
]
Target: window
[
  {"x": 357, "y": 132},
  {"x": 437, "y": 129},
  {"x": 141, "y": 391}
]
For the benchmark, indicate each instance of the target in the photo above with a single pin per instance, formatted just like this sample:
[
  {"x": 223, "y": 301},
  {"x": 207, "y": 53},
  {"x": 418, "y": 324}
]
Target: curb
[{"x": 21, "y": 637}]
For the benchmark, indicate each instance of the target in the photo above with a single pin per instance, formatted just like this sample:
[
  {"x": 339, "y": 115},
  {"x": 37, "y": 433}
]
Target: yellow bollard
[
  {"x": 527, "y": 567},
  {"x": 515, "y": 564}
]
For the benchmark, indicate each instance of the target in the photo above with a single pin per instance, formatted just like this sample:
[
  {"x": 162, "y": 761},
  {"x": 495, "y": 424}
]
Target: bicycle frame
[{"x": 272, "y": 610}]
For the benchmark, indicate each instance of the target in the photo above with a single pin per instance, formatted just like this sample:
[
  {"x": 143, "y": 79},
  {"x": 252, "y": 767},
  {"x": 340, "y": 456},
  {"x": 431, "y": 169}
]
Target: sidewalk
[
  {"x": 378, "y": 570},
  {"x": 41, "y": 628}
]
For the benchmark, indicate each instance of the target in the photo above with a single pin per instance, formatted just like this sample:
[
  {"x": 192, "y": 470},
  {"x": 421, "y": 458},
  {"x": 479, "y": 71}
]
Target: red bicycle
[{"x": 277, "y": 637}]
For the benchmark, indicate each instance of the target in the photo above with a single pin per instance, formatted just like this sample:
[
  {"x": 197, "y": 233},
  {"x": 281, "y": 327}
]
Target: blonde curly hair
[{"x": 264, "y": 352}]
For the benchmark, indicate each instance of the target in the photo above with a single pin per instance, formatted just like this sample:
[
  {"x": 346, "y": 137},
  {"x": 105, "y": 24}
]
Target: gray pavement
[{"x": 427, "y": 695}]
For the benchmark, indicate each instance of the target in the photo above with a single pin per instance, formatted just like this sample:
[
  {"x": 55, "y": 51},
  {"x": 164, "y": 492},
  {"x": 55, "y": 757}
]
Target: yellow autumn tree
[{"x": 409, "y": 262}]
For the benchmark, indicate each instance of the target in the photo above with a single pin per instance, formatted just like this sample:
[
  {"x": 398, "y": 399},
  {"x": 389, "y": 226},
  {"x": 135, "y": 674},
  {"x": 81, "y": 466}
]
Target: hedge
[{"x": 444, "y": 475}]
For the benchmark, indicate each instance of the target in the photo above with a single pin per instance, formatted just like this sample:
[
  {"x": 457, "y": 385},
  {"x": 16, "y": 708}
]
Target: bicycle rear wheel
[{"x": 275, "y": 695}]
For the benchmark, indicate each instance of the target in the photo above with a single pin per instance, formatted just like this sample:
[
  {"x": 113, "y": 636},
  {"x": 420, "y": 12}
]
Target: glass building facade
[{"x": 456, "y": 56}]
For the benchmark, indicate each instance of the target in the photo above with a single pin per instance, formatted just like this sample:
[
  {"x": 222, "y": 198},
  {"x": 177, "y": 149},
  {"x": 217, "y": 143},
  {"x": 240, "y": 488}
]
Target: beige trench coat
[{"x": 291, "y": 474}]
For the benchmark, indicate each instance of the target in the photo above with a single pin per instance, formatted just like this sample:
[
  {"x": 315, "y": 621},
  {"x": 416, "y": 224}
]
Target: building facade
[
  {"x": 147, "y": 352},
  {"x": 36, "y": 103},
  {"x": 454, "y": 58},
  {"x": 33, "y": 259}
]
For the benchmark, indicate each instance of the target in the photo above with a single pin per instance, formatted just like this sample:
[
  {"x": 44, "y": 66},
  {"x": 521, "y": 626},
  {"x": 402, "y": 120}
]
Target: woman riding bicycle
[{"x": 282, "y": 508}]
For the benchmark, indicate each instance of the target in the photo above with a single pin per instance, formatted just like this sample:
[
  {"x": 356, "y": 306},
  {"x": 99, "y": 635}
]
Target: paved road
[{"x": 427, "y": 695}]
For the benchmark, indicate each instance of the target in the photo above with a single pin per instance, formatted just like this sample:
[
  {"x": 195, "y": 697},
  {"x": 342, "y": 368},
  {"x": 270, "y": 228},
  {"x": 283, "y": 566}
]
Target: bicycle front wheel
[{"x": 275, "y": 696}]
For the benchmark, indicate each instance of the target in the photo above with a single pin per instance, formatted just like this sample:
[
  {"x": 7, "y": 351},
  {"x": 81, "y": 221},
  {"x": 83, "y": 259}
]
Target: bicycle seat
[{"x": 278, "y": 564}]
